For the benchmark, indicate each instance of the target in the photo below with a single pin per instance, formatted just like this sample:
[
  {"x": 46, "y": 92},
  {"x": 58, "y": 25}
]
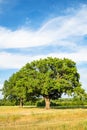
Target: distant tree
[
  {"x": 49, "y": 78},
  {"x": 15, "y": 88},
  {"x": 21, "y": 86}
]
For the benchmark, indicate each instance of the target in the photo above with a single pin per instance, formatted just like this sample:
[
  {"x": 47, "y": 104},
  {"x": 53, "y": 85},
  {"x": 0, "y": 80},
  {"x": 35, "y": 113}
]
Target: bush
[
  {"x": 54, "y": 103},
  {"x": 7, "y": 103},
  {"x": 40, "y": 103},
  {"x": 29, "y": 103}
]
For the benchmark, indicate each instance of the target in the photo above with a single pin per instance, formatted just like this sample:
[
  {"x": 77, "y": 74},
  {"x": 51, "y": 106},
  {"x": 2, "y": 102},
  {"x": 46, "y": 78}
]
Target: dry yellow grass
[{"x": 15, "y": 118}]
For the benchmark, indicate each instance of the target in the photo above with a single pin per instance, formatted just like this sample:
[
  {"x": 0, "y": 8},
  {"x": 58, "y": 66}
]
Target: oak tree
[{"x": 48, "y": 78}]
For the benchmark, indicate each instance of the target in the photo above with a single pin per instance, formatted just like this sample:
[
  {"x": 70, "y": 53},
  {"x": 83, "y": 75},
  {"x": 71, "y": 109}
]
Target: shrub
[{"x": 40, "y": 103}]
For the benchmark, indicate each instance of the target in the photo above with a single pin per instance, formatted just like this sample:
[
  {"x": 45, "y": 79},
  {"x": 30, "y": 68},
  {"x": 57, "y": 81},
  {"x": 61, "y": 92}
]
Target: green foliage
[
  {"x": 56, "y": 76},
  {"x": 49, "y": 78},
  {"x": 40, "y": 103},
  {"x": 7, "y": 102},
  {"x": 29, "y": 103}
]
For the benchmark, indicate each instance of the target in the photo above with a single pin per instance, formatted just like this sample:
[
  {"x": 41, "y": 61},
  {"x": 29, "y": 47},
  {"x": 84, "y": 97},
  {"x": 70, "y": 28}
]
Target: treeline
[
  {"x": 62, "y": 102},
  {"x": 47, "y": 78}
]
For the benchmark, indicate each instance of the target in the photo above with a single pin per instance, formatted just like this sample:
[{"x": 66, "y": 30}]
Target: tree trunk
[
  {"x": 47, "y": 102},
  {"x": 21, "y": 102}
]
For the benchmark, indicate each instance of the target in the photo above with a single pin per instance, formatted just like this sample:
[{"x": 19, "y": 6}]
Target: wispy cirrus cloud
[
  {"x": 58, "y": 31},
  {"x": 65, "y": 31}
]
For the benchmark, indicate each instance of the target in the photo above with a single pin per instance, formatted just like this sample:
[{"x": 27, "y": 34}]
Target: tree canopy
[{"x": 49, "y": 78}]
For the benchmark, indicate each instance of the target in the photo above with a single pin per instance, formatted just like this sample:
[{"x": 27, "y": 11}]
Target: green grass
[{"x": 26, "y": 118}]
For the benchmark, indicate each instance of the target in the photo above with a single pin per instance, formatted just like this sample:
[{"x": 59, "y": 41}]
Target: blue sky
[{"x": 33, "y": 29}]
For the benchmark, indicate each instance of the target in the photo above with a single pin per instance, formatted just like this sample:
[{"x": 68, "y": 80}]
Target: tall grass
[{"x": 15, "y": 118}]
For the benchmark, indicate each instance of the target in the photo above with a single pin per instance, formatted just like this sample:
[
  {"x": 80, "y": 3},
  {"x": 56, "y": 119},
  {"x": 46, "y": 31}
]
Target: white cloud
[
  {"x": 83, "y": 77},
  {"x": 1, "y": 96},
  {"x": 53, "y": 31},
  {"x": 1, "y": 85},
  {"x": 8, "y": 60},
  {"x": 78, "y": 56}
]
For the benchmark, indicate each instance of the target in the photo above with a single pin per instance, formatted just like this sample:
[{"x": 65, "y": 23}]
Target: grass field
[{"x": 16, "y": 118}]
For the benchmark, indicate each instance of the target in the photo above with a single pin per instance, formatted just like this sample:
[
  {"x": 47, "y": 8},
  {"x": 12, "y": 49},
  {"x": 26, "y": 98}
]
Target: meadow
[{"x": 27, "y": 118}]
